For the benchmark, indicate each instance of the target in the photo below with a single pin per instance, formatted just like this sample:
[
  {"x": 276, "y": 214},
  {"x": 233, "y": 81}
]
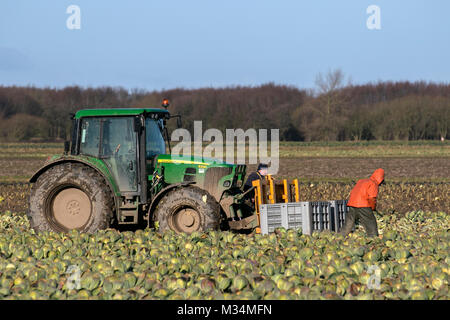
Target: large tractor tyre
[
  {"x": 187, "y": 209},
  {"x": 70, "y": 196}
]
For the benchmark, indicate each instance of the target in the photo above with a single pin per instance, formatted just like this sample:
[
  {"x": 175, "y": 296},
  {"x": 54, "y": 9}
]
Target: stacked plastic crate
[{"x": 309, "y": 216}]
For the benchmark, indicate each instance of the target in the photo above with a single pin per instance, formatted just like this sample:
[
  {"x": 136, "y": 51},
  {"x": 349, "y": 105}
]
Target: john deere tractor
[{"x": 117, "y": 170}]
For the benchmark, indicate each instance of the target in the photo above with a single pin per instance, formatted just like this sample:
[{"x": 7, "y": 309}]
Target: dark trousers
[{"x": 365, "y": 217}]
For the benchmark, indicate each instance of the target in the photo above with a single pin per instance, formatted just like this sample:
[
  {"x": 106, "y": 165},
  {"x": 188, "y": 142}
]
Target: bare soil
[{"x": 397, "y": 169}]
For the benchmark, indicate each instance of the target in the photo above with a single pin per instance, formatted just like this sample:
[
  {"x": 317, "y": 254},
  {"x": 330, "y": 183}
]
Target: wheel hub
[
  {"x": 71, "y": 208},
  {"x": 186, "y": 220}
]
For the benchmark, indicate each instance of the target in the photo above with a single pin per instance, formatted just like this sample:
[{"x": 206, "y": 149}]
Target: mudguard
[{"x": 47, "y": 165}]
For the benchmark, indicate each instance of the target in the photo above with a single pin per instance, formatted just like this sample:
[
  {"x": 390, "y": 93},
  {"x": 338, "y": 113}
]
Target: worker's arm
[
  {"x": 248, "y": 183},
  {"x": 372, "y": 193},
  {"x": 372, "y": 203}
]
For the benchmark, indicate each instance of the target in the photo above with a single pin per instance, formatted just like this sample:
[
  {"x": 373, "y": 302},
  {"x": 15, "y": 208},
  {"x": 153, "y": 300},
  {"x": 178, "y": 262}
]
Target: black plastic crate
[{"x": 339, "y": 210}]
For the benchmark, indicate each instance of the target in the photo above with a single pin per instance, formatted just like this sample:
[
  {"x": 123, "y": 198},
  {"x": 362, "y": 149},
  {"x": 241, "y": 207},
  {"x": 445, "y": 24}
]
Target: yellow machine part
[{"x": 270, "y": 191}]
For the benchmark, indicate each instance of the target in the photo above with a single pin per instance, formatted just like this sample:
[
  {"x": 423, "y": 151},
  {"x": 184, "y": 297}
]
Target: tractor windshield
[{"x": 154, "y": 138}]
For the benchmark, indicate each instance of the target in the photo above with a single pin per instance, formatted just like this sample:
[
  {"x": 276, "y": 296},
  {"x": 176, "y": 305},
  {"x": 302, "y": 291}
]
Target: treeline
[{"x": 333, "y": 112}]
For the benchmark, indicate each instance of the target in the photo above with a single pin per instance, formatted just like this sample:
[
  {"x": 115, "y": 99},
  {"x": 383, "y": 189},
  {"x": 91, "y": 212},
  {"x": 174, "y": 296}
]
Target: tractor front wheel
[{"x": 188, "y": 209}]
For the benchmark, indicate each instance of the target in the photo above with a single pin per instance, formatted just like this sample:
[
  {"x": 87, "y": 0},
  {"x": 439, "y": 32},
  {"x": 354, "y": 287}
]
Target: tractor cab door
[
  {"x": 119, "y": 151},
  {"x": 113, "y": 140}
]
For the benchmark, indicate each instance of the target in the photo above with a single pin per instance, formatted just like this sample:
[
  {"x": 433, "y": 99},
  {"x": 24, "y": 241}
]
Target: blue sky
[{"x": 162, "y": 44}]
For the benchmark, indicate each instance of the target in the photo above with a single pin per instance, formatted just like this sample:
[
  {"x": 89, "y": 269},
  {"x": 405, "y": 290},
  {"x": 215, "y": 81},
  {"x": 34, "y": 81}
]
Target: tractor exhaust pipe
[{"x": 66, "y": 147}]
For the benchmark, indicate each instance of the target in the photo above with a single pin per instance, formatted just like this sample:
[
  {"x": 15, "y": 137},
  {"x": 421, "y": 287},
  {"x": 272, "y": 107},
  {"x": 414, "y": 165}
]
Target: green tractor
[{"x": 116, "y": 171}]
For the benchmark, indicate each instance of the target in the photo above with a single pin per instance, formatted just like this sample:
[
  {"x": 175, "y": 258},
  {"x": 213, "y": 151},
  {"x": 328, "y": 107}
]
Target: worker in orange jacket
[{"x": 362, "y": 203}]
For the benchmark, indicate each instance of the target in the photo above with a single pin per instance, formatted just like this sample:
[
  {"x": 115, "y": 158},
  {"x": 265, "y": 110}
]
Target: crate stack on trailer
[{"x": 278, "y": 205}]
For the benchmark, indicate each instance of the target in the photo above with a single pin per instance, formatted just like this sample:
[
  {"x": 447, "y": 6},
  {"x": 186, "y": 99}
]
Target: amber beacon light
[{"x": 165, "y": 103}]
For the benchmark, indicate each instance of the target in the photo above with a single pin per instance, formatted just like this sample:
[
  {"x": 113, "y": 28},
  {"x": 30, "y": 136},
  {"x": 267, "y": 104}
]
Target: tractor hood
[
  {"x": 191, "y": 160},
  {"x": 213, "y": 175}
]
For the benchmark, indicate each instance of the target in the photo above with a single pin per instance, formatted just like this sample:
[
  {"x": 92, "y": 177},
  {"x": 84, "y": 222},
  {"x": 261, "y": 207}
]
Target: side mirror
[{"x": 179, "y": 124}]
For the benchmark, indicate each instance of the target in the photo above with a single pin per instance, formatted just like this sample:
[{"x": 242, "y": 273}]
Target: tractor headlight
[{"x": 227, "y": 183}]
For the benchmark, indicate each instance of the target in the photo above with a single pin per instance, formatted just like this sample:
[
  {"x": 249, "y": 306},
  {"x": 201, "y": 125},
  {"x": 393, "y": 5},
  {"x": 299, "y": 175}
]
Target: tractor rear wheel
[
  {"x": 70, "y": 196},
  {"x": 188, "y": 209}
]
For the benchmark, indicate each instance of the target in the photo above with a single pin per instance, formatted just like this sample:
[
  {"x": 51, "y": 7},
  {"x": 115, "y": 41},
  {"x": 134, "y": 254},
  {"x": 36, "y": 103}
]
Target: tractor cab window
[
  {"x": 113, "y": 140},
  {"x": 154, "y": 138},
  {"x": 90, "y": 137}
]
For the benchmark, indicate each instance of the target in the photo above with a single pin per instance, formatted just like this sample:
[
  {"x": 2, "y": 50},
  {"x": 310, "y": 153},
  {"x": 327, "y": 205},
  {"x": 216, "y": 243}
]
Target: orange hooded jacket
[{"x": 365, "y": 192}]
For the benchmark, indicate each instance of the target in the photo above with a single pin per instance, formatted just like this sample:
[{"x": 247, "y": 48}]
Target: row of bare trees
[{"x": 336, "y": 110}]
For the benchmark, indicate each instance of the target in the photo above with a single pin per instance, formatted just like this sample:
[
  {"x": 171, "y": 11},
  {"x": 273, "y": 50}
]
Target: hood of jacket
[{"x": 378, "y": 176}]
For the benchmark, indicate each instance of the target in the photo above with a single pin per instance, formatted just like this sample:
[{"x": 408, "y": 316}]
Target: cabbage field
[{"x": 410, "y": 260}]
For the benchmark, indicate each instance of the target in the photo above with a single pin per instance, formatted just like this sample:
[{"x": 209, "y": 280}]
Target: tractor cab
[{"x": 126, "y": 140}]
